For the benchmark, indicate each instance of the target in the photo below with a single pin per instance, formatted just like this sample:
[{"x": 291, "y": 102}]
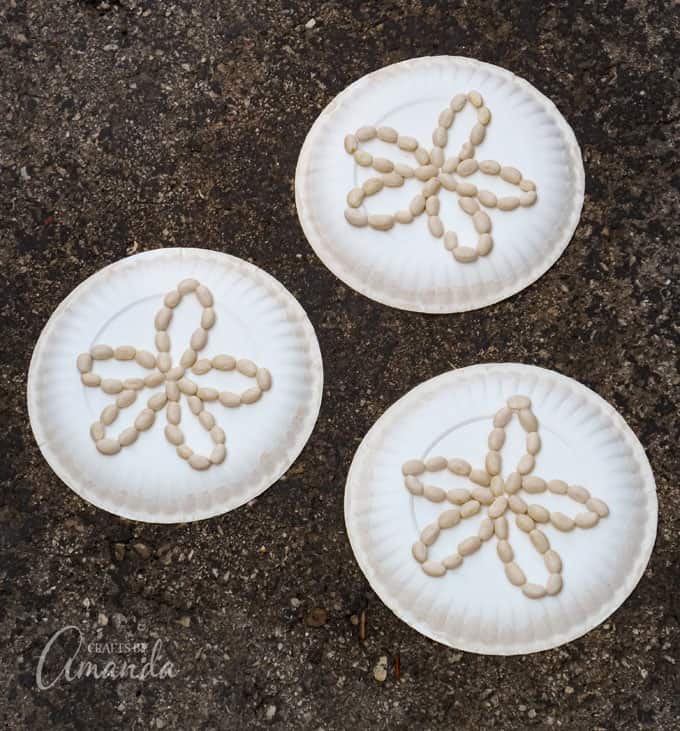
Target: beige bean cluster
[
  {"x": 176, "y": 381},
  {"x": 501, "y": 498},
  {"x": 437, "y": 172}
]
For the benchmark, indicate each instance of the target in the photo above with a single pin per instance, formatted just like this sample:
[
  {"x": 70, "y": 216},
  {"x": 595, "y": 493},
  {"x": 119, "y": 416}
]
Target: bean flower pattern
[
  {"x": 437, "y": 172},
  {"x": 501, "y": 498},
  {"x": 175, "y": 381}
]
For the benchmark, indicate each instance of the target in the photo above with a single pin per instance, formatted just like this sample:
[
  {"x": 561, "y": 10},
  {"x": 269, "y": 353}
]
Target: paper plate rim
[
  {"x": 558, "y": 638},
  {"x": 303, "y": 434},
  {"x": 323, "y": 247}
]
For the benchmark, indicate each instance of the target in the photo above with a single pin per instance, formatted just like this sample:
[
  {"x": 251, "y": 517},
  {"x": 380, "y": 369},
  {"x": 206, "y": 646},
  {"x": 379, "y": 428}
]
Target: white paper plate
[
  {"x": 257, "y": 318},
  {"x": 407, "y": 267},
  {"x": 474, "y": 607}
]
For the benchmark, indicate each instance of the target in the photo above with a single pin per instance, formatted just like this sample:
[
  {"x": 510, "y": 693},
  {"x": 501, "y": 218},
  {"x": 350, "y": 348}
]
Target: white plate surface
[
  {"x": 257, "y": 318},
  {"x": 474, "y": 607},
  {"x": 406, "y": 267}
]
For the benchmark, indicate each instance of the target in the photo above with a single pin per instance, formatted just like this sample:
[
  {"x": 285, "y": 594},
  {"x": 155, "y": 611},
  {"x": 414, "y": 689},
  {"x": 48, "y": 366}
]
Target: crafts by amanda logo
[{"x": 68, "y": 657}]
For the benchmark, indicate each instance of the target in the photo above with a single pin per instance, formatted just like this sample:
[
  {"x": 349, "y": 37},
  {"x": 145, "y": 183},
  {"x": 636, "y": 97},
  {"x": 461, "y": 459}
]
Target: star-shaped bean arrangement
[
  {"x": 437, "y": 172},
  {"x": 175, "y": 380},
  {"x": 500, "y": 497}
]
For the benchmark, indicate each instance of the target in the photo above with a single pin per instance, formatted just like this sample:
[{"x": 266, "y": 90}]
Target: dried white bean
[
  {"x": 230, "y": 399},
  {"x": 434, "y": 493},
  {"x": 482, "y": 495},
  {"x": 355, "y": 217},
  {"x": 515, "y": 574},
  {"x": 481, "y": 222},
  {"x": 263, "y": 378},
  {"x": 487, "y": 198},
  {"x": 208, "y": 394},
  {"x": 410, "y": 144},
  {"x": 392, "y": 180},
  {"x": 187, "y": 386},
  {"x": 450, "y": 240},
  {"x": 218, "y": 454},
  {"x": 513, "y": 483},
  {"x": 91, "y": 379},
  {"x": 436, "y": 464},
  {"x": 432, "y": 205},
  {"x": 431, "y": 187},
  {"x": 453, "y": 561},
  {"x": 500, "y": 526},
  {"x": 561, "y": 521},
  {"x": 101, "y": 352},
  {"x": 553, "y": 585},
  {"x": 434, "y": 568},
  {"x": 469, "y": 545},
  {"x": 484, "y": 244},
  {"x": 437, "y": 156},
  {"x": 477, "y": 134},
  {"x": 498, "y": 507},
  {"x": 430, "y": 534},
  {"x": 484, "y": 115},
  {"x": 533, "y": 443},
  {"x": 217, "y": 435},
  {"x": 525, "y": 464},
  {"x": 528, "y": 420},
  {"x": 350, "y": 143},
  {"x": 505, "y": 552},
  {"x": 485, "y": 529},
  {"x": 470, "y": 508},
  {"x": 128, "y": 436},
  {"x": 162, "y": 319},
  {"x": 97, "y": 431},
  {"x": 184, "y": 451},
  {"x": 202, "y": 366},
  {"x": 516, "y": 504},
  {"x": 458, "y": 102},
  {"x": 598, "y": 506},
  {"x": 419, "y": 551},
  {"x": 449, "y": 518},
  {"x": 448, "y": 182},
  {"x": 525, "y": 523},
  {"x": 490, "y": 167},
  {"x": 533, "y": 591},
  {"x": 406, "y": 171},
  {"x": 538, "y": 513},
  {"x": 578, "y": 493},
  {"x": 251, "y": 395},
  {"x": 186, "y": 286},
  {"x": 381, "y": 221},
  {"x": 417, "y": 205},
  {"x": 175, "y": 373},
  {"x": 527, "y": 199},
  {"x": 509, "y": 203},
  {"x": 111, "y": 386},
  {"x": 172, "y": 299},
  {"x": 467, "y": 167},
  {"x": 162, "y": 340},
  {"x": 145, "y": 420},
  {"x": 371, "y": 186},
  {"x": 450, "y": 165},
  {"x": 422, "y": 155},
  {"x": 387, "y": 134},
  {"x": 199, "y": 339},
  {"x": 465, "y": 254},
  {"x": 124, "y": 352},
  {"x": 559, "y": 487},
  {"x": 173, "y": 412},
  {"x": 366, "y": 133},
  {"x": 540, "y": 540},
  {"x": 458, "y": 495},
  {"x": 534, "y": 484},
  {"x": 224, "y": 362},
  {"x": 84, "y": 362},
  {"x": 108, "y": 446},
  {"x": 586, "y": 520},
  {"x": 502, "y": 417},
  {"x": 403, "y": 217},
  {"x": 208, "y": 318},
  {"x": 434, "y": 223},
  {"x": 363, "y": 158},
  {"x": 492, "y": 463},
  {"x": 157, "y": 401},
  {"x": 510, "y": 175},
  {"x": 154, "y": 379},
  {"x": 174, "y": 434},
  {"x": 480, "y": 477},
  {"x": 440, "y": 137},
  {"x": 475, "y": 98},
  {"x": 552, "y": 561},
  {"x": 172, "y": 391},
  {"x": 199, "y": 462},
  {"x": 126, "y": 398},
  {"x": 469, "y": 205}
]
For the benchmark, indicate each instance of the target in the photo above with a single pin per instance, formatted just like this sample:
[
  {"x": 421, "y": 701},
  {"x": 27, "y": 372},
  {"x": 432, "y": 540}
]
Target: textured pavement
[{"x": 132, "y": 125}]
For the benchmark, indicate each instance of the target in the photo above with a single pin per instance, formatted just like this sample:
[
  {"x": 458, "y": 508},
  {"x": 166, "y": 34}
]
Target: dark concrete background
[{"x": 138, "y": 124}]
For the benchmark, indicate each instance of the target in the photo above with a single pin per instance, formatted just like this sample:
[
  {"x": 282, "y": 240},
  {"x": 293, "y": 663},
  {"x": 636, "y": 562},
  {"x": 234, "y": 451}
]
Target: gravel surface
[{"x": 136, "y": 124}]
